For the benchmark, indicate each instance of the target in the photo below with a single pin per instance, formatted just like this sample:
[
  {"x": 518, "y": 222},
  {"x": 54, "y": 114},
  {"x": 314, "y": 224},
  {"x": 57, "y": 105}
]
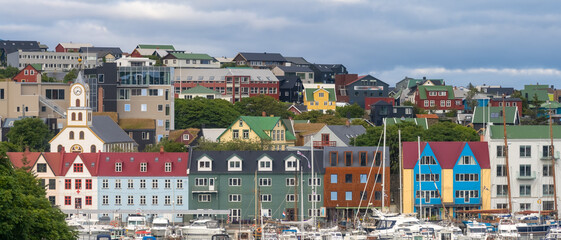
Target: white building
[
  {"x": 530, "y": 164},
  {"x": 135, "y": 62},
  {"x": 52, "y": 61}
]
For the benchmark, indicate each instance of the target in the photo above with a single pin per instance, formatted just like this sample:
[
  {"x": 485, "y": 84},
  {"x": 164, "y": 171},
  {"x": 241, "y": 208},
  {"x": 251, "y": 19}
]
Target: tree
[
  {"x": 8, "y": 72},
  {"x": 168, "y": 145},
  {"x": 70, "y": 76},
  {"x": 448, "y": 131},
  {"x": 328, "y": 118},
  {"x": 45, "y": 78},
  {"x": 350, "y": 111},
  {"x": 26, "y": 212},
  {"x": 157, "y": 59},
  {"x": 470, "y": 102},
  {"x": 213, "y": 113},
  {"x": 30, "y": 132},
  {"x": 238, "y": 145},
  {"x": 255, "y": 106}
]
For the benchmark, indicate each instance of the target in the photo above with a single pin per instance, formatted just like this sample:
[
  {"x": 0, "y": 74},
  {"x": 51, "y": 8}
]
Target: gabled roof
[
  {"x": 294, "y": 69},
  {"x": 365, "y": 76},
  {"x": 424, "y": 89},
  {"x": 288, "y": 82},
  {"x": 102, "y": 50},
  {"x": 493, "y": 114},
  {"x": 297, "y": 60},
  {"x": 36, "y": 66},
  {"x": 525, "y": 132},
  {"x": 535, "y": 90},
  {"x": 345, "y": 133},
  {"x": 155, "y": 46},
  {"x": 418, "y": 121},
  {"x": 299, "y": 107},
  {"x": 175, "y": 134},
  {"x": 551, "y": 104},
  {"x": 433, "y": 116},
  {"x": 14, "y": 46},
  {"x": 446, "y": 153},
  {"x": 23, "y": 159},
  {"x": 200, "y": 90},
  {"x": 212, "y": 134},
  {"x": 310, "y": 93},
  {"x": 145, "y": 52},
  {"x": 108, "y": 130},
  {"x": 269, "y": 57},
  {"x": 76, "y": 45},
  {"x": 308, "y": 128},
  {"x": 190, "y": 56},
  {"x": 137, "y": 123},
  {"x": 261, "y": 124},
  {"x": 155, "y": 163}
]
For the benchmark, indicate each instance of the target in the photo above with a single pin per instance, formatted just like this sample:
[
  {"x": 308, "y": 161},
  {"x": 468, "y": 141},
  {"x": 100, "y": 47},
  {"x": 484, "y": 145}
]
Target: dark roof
[
  {"x": 102, "y": 50},
  {"x": 297, "y": 60},
  {"x": 506, "y": 99},
  {"x": 446, "y": 153},
  {"x": 500, "y": 91},
  {"x": 300, "y": 107},
  {"x": 269, "y": 57},
  {"x": 287, "y": 82},
  {"x": 250, "y": 159},
  {"x": 345, "y": 133},
  {"x": 14, "y": 46},
  {"x": 108, "y": 130},
  {"x": 295, "y": 69}
]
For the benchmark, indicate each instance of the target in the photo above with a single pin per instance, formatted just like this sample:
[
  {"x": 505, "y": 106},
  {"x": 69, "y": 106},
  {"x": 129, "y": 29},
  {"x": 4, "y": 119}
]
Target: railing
[
  {"x": 525, "y": 176},
  {"x": 547, "y": 156},
  {"x": 321, "y": 144},
  {"x": 49, "y": 103}
]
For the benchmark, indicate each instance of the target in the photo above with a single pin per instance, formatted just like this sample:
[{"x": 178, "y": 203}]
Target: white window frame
[
  {"x": 266, "y": 166},
  {"x": 237, "y": 164},
  {"x": 265, "y": 182},
  {"x": 118, "y": 167},
  {"x": 204, "y": 197},
  {"x": 234, "y": 198},
  {"x": 266, "y": 197},
  {"x": 207, "y": 164},
  {"x": 234, "y": 182},
  {"x": 167, "y": 167},
  {"x": 291, "y": 164},
  {"x": 143, "y": 167}
]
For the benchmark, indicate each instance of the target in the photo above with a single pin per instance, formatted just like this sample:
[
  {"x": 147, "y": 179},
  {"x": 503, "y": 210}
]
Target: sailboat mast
[
  {"x": 418, "y": 181},
  {"x": 384, "y": 169},
  {"x": 313, "y": 185},
  {"x": 506, "y": 158},
  {"x": 302, "y": 198},
  {"x": 552, "y": 161},
  {"x": 400, "y": 174}
]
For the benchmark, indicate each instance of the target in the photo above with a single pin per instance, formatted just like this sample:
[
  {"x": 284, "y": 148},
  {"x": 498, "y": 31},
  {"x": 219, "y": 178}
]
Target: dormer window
[
  {"x": 291, "y": 164},
  {"x": 78, "y": 167},
  {"x": 205, "y": 164},
  {"x": 467, "y": 160},
  {"x": 185, "y": 137},
  {"x": 118, "y": 167},
  {"x": 241, "y": 123},
  {"x": 234, "y": 164},
  {"x": 265, "y": 164},
  {"x": 168, "y": 167},
  {"x": 143, "y": 167}
]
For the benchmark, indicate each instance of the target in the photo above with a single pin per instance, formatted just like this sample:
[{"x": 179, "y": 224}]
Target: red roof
[
  {"x": 427, "y": 116},
  {"x": 54, "y": 159},
  {"x": 154, "y": 168},
  {"x": 17, "y": 159},
  {"x": 446, "y": 153}
]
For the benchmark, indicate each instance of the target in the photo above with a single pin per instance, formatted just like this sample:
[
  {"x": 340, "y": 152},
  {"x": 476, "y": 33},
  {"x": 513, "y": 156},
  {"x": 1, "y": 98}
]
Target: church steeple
[{"x": 79, "y": 113}]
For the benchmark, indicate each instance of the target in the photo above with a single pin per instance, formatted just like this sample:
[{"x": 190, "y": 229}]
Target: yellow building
[
  {"x": 270, "y": 130},
  {"x": 320, "y": 99}
]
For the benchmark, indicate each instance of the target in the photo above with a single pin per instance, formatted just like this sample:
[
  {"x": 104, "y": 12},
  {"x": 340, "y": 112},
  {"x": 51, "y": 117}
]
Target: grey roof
[
  {"x": 507, "y": 99},
  {"x": 212, "y": 134},
  {"x": 210, "y": 74},
  {"x": 500, "y": 91},
  {"x": 295, "y": 69},
  {"x": 287, "y": 82},
  {"x": 355, "y": 151},
  {"x": 102, "y": 50},
  {"x": 345, "y": 133},
  {"x": 297, "y": 60},
  {"x": 289, "y": 126},
  {"x": 326, "y": 67},
  {"x": 108, "y": 130},
  {"x": 9, "y": 122},
  {"x": 270, "y": 57},
  {"x": 300, "y": 107},
  {"x": 14, "y": 46},
  {"x": 250, "y": 159}
]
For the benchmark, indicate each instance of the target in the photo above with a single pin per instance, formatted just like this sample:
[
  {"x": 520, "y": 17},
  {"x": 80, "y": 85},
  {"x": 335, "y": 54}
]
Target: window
[
  {"x": 501, "y": 205},
  {"x": 235, "y": 134},
  {"x": 41, "y": 167},
  {"x": 88, "y": 184},
  {"x": 525, "y": 190},
  {"x": 67, "y": 184},
  {"x": 363, "y": 158},
  {"x": 348, "y": 178},
  {"x": 179, "y": 200},
  {"x": 205, "y": 165},
  {"x": 348, "y": 159},
  {"x": 467, "y": 160},
  {"x": 235, "y": 214},
  {"x": 118, "y": 167},
  {"x": 117, "y": 200},
  {"x": 314, "y": 182},
  {"x": 142, "y": 200},
  {"x": 234, "y": 164},
  {"x": 143, "y": 107},
  {"x": 93, "y": 148},
  {"x": 525, "y": 151},
  {"x": 502, "y": 190},
  {"x": 333, "y": 178},
  {"x": 266, "y": 198},
  {"x": 145, "y": 135},
  {"x": 118, "y": 183},
  {"x": 245, "y": 134},
  {"x": 167, "y": 200},
  {"x": 130, "y": 200},
  {"x": 333, "y": 196},
  {"x": 52, "y": 184},
  {"x": 428, "y": 160},
  {"x": 501, "y": 170},
  {"x": 179, "y": 184},
  {"x": 265, "y": 182},
  {"x": 363, "y": 178},
  {"x": 525, "y": 206},
  {"x": 127, "y": 107},
  {"x": 348, "y": 196},
  {"x": 142, "y": 183},
  {"x": 67, "y": 200},
  {"x": 105, "y": 200},
  {"x": 525, "y": 170},
  {"x": 167, "y": 167},
  {"x": 1, "y": 93},
  {"x": 77, "y": 183},
  {"x": 333, "y": 158},
  {"x": 234, "y": 198},
  {"x": 71, "y": 135},
  {"x": 130, "y": 183},
  {"x": 200, "y": 182},
  {"x": 154, "y": 200},
  {"x": 291, "y": 164},
  {"x": 154, "y": 183},
  {"x": 167, "y": 184},
  {"x": 143, "y": 167},
  {"x": 105, "y": 183},
  {"x": 265, "y": 165},
  {"x": 547, "y": 170},
  {"x": 466, "y": 177},
  {"x": 290, "y": 182},
  {"x": 234, "y": 182},
  {"x": 54, "y": 94},
  {"x": 204, "y": 197},
  {"x": 547, "y": 205},
  {"x": 548, "y": 189},
  {"x": 546, "y": 153},
  {"x": 426, "y": 103},
  {"x": 185, "y": 137}
]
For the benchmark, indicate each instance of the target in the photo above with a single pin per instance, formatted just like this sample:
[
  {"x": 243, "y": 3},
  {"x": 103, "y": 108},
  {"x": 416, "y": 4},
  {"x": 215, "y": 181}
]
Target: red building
[
  {"x": 437, "y": 98},
  {"x": 29, "y": 73},
  {"x": 71, "y": 47},
  {"x": 509, "y": 102}
]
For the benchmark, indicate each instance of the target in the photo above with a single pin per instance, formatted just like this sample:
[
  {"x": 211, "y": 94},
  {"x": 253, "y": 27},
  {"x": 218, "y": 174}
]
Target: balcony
[
  {"x": 322, "y": 144},
  {"x": 532, "y": 176},
  {"x": 546, "y": 155}
]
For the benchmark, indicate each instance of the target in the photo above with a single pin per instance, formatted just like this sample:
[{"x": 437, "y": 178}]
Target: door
[
  {"x": 78, "y": 203},
  {"x": 325, "y": 137},
  {"x": 211, "y": 184}
]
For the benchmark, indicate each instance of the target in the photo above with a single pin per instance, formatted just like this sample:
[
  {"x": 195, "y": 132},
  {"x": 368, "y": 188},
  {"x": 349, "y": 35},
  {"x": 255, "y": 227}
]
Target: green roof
[
  {"x": 199, "y": 90},
  {"x": 37, "y": 66},
  {"x": 552, "y": 104},
  {"x": 261, "y": 124},
  {"x": 530, "y": 91},
  {"x": 192, "y": 56},
  {"x": 424, "y": 89},
  {"x": 310, "y": 93},
  {"x": 525, "y": 132},
  {"x": 481, "y": 115},
  {"x": 149, "y": 46},
  {"x": 418, "y": 121},
  {"x": 413, "y": 82}
]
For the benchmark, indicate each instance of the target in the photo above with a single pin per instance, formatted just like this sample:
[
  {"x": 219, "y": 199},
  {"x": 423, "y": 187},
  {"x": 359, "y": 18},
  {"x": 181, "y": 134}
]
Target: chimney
[
  {"x": 100, "y": 99},
  {"x": 161, "y": 149},
  {"x": 263, "y": 114},
  {"x": 26, "y": 149}
]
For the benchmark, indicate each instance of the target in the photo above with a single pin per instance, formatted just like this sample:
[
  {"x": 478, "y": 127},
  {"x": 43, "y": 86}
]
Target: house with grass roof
[
  {"x": 30, "y": 73},
  {"x": 494, "y": 115},
  {"x": 271, "y": 131},
  {"x": 190, "y": 60},
  {"x": 437, "y": 98},
  {"x": 320, "y": 97}
]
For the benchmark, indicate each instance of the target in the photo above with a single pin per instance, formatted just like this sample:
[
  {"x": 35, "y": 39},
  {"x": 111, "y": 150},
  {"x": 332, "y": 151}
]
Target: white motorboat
[
  {"x": 507, "y": 230},
  {"x": 202, "y": 229},
  {"x": 554, "y": 233},
  {"x": 386, "y": 227},
  {"x": 87, "y": 226},
  {"x": 476, "y": 230},
  {"x": 136, "y": 223},
  {"x": 356, "y": 235},
  {"x": 160, "y": 226}
]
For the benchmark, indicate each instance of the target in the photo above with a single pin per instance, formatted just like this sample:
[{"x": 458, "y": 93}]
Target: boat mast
[
  {"x": 506, "y": 158},
  {"x": 400, "y": 174},
  {"x": 418, "y": 181},
  {"x": 552, "y": 152},
  {"x": 313, "y": 186},
  {"x": 301, "y": 199},
  {"x": 384, "y": 169}
]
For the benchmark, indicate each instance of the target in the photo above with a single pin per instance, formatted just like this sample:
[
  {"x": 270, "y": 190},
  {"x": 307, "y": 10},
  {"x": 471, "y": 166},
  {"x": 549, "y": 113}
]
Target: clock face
[{"x": 77, "y": 91}]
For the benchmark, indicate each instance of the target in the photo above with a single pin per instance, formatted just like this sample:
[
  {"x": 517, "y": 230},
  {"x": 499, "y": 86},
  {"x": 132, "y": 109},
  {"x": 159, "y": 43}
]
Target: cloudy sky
[{"x": 509, "y": 43}]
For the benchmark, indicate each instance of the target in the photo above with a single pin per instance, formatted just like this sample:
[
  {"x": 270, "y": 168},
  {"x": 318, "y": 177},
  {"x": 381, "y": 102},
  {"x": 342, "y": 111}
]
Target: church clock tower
[{"x": 79, "y": 114}]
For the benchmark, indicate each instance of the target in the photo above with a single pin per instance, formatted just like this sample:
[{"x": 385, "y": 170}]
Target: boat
[
  {"x": 202, "y": 229},
  {"x": 554, "y": 233},
  {"x": 135, "y": 223},
  {"x": 386, "y": 227},
  {"x": 332, "y": 235},
  {"x": 160, "y": 226},
  {"x": 87, "y": 226},
  {"x": 476, "y": 230},
  {"x": 506, "y": 230}
]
